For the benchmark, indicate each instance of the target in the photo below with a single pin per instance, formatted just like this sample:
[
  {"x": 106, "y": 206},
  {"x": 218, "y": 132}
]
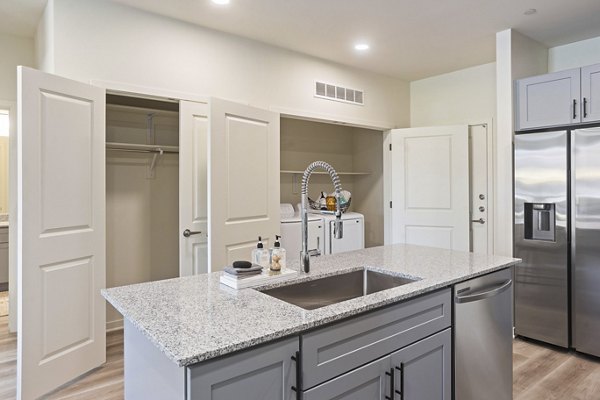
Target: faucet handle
[
  {"x": 305, "y": 259},
  {"x": 338, "y": 228}
]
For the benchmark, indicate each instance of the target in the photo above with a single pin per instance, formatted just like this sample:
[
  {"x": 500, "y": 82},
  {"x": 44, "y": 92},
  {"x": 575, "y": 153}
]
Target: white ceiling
[{"x": 410, "y": 39}]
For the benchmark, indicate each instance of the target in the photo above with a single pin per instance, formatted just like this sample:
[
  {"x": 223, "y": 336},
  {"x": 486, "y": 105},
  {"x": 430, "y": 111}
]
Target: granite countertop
[{"x": 195, "y": 318}]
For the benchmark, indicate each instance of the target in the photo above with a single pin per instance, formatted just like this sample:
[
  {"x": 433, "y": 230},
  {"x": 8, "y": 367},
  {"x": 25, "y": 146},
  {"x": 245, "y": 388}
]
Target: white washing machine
[
  {"x": 354, "y": 233},
  {"x": 291, "y": 235}
]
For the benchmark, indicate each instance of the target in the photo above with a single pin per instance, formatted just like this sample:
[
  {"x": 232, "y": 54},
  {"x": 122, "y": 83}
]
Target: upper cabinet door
[
  {"x": 548, "y": 100},
  {"x": 193, "y": 188},
  {"x": 243, "y": 181},
  {"x": 61, "y": 223},
  {"x": 590, "y": 93}
]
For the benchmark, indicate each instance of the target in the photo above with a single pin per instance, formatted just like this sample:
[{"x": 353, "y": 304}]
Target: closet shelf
[
  {"x": 141, "y": 148},
  {"x": 285, "y": 171}
]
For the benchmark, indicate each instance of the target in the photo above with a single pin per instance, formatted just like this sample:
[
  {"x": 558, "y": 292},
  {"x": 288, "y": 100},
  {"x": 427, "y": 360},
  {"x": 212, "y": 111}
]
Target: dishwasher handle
[{"x": 468, "y": 298}]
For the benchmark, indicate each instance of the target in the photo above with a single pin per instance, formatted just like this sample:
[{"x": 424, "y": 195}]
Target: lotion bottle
[
  {"x": 260, "y": 255},
  {"x": 278, "y": 255}
]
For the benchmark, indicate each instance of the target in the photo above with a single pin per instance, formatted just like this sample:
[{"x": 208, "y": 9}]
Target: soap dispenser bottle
[
  {"x": 277, "y": 255},
  {"x": 260, "y": 255}
]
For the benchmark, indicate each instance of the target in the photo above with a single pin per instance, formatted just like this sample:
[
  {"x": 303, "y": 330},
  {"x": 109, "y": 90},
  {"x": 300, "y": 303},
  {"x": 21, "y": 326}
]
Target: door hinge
[
  {"x": 390, "y": 204},
  {"x": 390, "y": 147}
]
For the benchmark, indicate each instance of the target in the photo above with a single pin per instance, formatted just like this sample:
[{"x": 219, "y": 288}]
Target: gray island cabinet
[
  {"x": 191, "y": 338},
  {"x": 402, "y": 348}
]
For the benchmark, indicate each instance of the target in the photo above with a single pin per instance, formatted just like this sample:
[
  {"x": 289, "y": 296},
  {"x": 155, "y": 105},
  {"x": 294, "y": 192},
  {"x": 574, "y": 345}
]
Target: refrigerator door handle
[{"x": 468, "y": 298}]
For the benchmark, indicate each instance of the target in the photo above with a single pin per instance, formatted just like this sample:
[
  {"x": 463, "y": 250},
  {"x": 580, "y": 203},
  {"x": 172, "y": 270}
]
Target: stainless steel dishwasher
[{"x": 483, "y": 337}]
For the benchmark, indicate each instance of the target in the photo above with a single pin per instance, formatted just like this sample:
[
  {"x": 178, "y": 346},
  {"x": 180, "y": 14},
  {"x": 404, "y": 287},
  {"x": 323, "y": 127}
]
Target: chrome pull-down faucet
[{"x": 338, "y": 229}]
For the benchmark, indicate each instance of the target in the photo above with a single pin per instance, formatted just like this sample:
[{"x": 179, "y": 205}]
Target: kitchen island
[{"x": 193, "y": 338}]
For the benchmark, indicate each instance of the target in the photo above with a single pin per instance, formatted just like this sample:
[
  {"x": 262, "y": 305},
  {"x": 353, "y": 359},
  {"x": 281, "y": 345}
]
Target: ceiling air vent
[{"x": 338, "y": 93}]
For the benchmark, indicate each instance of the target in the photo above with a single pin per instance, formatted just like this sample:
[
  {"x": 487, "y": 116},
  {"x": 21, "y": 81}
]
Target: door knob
[
  {"x": 187, "y": 233},
  {"x": 479, "y": 221}
]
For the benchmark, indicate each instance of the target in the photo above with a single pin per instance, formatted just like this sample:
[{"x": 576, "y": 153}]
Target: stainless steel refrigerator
[{"x": 557, "y": 234}]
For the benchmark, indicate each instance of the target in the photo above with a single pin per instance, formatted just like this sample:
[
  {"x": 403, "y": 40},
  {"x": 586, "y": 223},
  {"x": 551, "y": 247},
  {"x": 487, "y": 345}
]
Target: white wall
[
  {"x": 15, "y": 50},
  {"x": 574, "y": 55},
  {"x": 44, "y": 40},
  {"x": 368, "y": 189},
  {"x": 517, "y": 56},
  {"x": 107, "y": 41},
  {"x": 462, "y": 97}
]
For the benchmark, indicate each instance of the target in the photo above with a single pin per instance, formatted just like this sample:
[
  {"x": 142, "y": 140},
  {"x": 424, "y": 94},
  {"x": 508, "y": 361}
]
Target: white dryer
[
  {"x": 354, "y": 233},
  {"x": 291, "y": 235}
]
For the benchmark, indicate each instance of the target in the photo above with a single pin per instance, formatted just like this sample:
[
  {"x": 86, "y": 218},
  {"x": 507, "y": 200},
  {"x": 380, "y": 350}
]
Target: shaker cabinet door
[
  {"x": 265, "y": 373},
  {"x": 369, "y": 382},
  {"x": 424, "y": 369},
  {"x": 548, "y": 100},
  {"x": 590, "y": 93}
]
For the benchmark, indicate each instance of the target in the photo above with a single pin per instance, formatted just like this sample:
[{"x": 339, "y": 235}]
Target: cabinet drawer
[
  {"x": 365, "y": 383},
  {"x": 336, "y": 349}
]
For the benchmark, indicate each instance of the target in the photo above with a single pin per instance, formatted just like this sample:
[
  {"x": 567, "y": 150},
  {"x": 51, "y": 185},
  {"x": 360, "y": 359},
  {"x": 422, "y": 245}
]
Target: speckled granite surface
[{"x": 195, "y": 318}]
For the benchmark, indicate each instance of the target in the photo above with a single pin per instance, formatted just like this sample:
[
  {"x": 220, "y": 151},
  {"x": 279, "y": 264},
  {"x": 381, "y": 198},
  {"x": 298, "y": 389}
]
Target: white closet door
[
  {"x": 430, "y": 186},
  {"x": 193, "y": 188},
  {"x": 243, "y": 180},
  {"x": 61, "y": 221}
]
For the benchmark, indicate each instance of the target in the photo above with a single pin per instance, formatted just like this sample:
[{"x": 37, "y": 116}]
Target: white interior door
[
  {"x": 193, "y": 188},
  {"x": 243, "y": 180},
  {"x": 430, "y": 186},
  {"x": 61, "y": 225}
]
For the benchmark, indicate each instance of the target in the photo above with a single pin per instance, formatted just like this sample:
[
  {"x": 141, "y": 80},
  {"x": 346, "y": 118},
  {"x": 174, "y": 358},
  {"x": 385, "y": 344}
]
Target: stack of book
[{"x": 247, "y": 280}]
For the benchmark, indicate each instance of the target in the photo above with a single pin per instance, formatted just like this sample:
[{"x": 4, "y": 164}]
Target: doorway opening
[
  {"x": 4, "y": 146},
  {"x": 142, "y": 193}
]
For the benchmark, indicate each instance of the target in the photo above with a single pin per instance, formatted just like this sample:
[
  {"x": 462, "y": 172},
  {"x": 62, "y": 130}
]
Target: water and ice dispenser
[{"x": 540, "y": 221}]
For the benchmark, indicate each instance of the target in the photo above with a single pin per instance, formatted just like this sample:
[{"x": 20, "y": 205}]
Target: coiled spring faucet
[{"x": 338, "y": 230}]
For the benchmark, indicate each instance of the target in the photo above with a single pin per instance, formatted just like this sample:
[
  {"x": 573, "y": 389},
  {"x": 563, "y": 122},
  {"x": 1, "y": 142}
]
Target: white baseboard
[{"x": 114, "y": 325}]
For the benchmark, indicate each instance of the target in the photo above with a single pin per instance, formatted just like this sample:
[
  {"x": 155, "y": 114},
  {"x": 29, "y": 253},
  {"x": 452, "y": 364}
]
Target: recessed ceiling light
[
  {"x": 531, "y": 11},
  {"x": 221, "y": 2},
  {"x": 361, "y": 46}
]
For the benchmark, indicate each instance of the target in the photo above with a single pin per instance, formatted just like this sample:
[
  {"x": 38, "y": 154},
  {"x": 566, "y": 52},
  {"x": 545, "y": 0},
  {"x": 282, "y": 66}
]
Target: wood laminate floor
[
  {"x": 540, "y": 372},
  {"x": 543, "y": 372},
  {"x": 104, "y": 383}
]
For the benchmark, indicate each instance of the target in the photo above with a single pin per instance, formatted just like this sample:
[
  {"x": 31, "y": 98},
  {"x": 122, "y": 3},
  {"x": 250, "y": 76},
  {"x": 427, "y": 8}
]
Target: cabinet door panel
[
  {"x": 365, "y": 383},
  {"x": 427, "y": 372},
  {"x": 265, "y": 373},
  {"x": 590, "y": 93},
  {"x": 333, "y": 350},
  {"x": 548, "y": 100}
]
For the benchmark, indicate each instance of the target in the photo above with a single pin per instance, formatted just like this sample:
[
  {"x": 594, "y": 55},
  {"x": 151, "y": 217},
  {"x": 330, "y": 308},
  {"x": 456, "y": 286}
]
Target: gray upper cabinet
[
  {"x": 265, "y": 373},
  {"x": 548, "y": 100},
  {"x": 590, "y": 93},
  {"x": 424, "y": 370},
  {"x": 369, "y": 382}
]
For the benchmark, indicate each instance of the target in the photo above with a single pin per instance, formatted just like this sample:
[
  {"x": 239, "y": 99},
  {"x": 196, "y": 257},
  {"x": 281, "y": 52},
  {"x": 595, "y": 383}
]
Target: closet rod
[{"x": 141, "y": 148}]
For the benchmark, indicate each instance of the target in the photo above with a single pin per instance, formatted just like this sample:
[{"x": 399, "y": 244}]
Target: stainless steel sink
[{"x": 334, "y": 289}]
